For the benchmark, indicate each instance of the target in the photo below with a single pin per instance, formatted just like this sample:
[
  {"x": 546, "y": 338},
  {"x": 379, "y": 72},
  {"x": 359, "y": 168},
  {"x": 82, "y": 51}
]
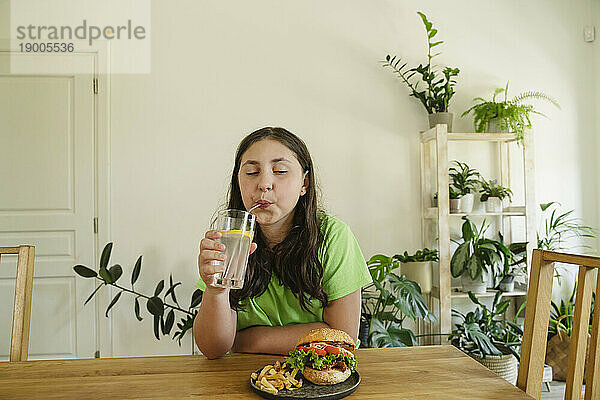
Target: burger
[{"x": 324, "y": 356}]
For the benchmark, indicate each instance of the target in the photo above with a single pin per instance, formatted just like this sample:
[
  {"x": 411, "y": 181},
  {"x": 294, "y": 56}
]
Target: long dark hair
[{"x": 295, "y": 260}]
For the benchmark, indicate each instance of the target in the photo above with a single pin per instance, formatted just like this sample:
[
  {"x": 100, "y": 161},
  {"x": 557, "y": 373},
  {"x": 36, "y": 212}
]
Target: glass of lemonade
[{"x": 237, "y": 229}]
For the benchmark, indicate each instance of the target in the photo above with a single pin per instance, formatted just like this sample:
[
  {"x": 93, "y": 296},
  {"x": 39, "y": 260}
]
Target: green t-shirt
[{"x": 344, "y": 271}]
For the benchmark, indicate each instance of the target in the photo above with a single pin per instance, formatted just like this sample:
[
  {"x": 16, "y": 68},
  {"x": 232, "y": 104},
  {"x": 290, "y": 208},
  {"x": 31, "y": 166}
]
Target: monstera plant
[
  {"x": 387, "y": 302},
  {"x": 162, "y": 312}
]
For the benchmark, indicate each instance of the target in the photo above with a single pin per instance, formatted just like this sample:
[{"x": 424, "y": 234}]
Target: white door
[{"x": 47, "y": 195}]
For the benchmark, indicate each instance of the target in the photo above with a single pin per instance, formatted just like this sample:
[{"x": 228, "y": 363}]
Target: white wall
[{"x": 221, "y": 69}]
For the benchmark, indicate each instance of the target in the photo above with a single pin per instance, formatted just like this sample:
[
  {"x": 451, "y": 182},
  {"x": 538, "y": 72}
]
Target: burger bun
[{"x": 326, "y": 376}]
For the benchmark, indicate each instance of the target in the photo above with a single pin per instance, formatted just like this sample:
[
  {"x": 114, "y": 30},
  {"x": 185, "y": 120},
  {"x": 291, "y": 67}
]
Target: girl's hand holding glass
[{"x": 212, "y": 256}]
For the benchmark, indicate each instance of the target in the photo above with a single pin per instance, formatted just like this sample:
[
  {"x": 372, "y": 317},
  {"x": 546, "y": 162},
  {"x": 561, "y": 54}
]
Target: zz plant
[
  {"x": 438, "y": 90},
  {"x": 162, "y": 312}
]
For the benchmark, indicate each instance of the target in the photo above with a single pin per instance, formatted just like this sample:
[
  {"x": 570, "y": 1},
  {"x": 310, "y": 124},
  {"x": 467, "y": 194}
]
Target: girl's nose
[{"x": 265, "y": 187}]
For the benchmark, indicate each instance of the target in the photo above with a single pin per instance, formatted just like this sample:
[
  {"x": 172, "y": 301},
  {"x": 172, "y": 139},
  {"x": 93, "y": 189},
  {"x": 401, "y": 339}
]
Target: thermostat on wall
[{"x": 588, "y": 34}]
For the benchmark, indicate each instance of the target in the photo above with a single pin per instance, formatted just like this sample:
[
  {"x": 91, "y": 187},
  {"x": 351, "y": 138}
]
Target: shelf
[
  {"x": 432, "y": 213},
  {"x": 457, "y": 294},
  {"x": 470, "y": 136}
]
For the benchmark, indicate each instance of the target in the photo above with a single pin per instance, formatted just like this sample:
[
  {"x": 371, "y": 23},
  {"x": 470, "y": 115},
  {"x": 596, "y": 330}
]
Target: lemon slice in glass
[{"x": 238, "y": 232}]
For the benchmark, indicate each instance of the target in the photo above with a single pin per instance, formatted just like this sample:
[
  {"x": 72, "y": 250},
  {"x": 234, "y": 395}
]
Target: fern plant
[
  {"x": 438, "y": 90},
  {"x": 513, "y": 115}
]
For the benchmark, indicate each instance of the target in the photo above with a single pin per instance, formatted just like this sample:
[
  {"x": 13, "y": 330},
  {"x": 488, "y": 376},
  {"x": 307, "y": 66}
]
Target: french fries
[{"x": 276, "y": 377}]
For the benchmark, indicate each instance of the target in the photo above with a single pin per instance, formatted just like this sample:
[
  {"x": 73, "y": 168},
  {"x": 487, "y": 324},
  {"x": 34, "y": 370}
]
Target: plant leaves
[
  {"x": 115, "y": 272},
  {"x": 92, "y": 295},
  {"x": 159, "y": 287},
  {"x": 105, "y": 255},
  {"x": 113, "y": 302},
  {"x": 169, "y": 322},
  {"x": 155, "y": 306},
  {"x": 105, "y": 275},
  {"x": 84, "y": 271},
  {"x": 156, "y": 326},
  {"x": 171, "y": 291},
  {"x": 408, "y": 297},
  {"x": 136, "y": 270},
  {"x": 459, "y": 260},
  {"x": 137, "y": 309},
  {"x": 196, "y": 298}
]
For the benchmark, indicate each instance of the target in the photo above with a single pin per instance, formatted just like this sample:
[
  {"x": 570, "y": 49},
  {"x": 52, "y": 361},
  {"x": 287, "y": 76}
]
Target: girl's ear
[{"x": 305, "y": 185}]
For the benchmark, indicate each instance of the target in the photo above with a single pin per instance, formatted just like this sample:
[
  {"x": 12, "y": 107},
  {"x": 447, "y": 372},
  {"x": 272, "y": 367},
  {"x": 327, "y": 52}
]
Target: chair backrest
[
  {"x": 537, "y": 316},
  {"x": 19, "y": 342}
]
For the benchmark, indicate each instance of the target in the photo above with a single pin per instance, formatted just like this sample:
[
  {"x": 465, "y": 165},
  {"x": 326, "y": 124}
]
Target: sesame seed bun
[{"x": 327, "y": 335}]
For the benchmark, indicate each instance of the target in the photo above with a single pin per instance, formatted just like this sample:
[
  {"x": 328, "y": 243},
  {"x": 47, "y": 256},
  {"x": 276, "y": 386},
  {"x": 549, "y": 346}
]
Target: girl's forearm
[
  {"x": 214, "y": 325},
  {"x": 272, "y": 339}
]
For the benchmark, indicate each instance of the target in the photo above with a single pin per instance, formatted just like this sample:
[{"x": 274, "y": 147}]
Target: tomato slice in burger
[
  {"x": 332, "y": 350},
  {"x": 319, "y": 352},
  {"x": 303, "y": 348}
]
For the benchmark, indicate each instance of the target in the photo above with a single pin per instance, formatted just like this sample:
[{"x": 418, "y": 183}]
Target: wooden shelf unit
[{"x": 434, "y": 147}]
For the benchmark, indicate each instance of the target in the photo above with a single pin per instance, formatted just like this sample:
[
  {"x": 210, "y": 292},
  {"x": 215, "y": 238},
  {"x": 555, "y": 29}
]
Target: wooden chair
[
  {"x": 537, "y": 316},
  {"x": 19, "y": 342}
]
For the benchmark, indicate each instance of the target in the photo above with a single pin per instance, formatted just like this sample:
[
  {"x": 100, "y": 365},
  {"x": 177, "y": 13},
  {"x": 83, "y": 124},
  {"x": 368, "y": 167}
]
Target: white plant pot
[
  {"x": 466, "y": 203},
  {"x": 493, "y": 205},
  {"x": 420, "y": 272},
  {"x": 470, "y": 285},
  {"x": 454, "y": 205}
]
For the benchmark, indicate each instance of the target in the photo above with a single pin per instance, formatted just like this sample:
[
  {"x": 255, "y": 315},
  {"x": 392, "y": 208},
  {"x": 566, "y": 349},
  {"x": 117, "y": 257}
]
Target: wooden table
[{"x": 431, "y": 372}]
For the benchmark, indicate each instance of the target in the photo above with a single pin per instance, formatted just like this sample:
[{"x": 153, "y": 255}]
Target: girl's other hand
[{"x": 212, "y": 256}]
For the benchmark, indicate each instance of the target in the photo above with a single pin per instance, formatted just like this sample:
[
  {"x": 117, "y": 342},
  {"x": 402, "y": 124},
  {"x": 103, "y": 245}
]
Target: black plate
[{"x": 311, "y": 391}]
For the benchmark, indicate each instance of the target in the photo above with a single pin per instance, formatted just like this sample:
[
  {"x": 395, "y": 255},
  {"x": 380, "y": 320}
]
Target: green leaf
[
  {"x": 136, "y": 270},
  {"x": 468, "y": 230},
  {"x": 169, "y": 322},
  {"x": 137, "y": 309},
  {"x": 171, "y": 290},
  {"x": 459, "y": 260},
  {"x": 105, "y": 275},
  {"x": 92, "y": 295},
  {"x": 105, "y": 255},
  {"x": 155, "y": 306},
  {"x": 435, "y": 44},
  {"x": 159, "y": 287},
  {"x": 196, "y": 298},
  {"x": 432, "y": 33},
  {"x": 408, "y": 297},
  {"x": 84, "y": 271},
  {"x": 115, "y": 272},
  {"x": 157, "y": 326},
  {"x": 113, "y": 302}
]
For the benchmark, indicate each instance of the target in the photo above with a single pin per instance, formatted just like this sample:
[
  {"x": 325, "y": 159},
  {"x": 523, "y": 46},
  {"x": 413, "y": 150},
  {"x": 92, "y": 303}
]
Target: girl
[{"x": 305, "y": 270}]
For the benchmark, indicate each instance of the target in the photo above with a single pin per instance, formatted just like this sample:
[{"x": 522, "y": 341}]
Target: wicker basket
[
  {"x": 557, "y": 354},
  {"x": 505, "y": 365}
]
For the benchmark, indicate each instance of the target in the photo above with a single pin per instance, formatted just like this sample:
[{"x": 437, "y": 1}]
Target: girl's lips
[{"x": 264, "y": 205}]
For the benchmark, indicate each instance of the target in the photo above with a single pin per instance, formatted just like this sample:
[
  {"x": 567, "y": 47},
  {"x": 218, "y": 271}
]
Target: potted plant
[
  {"x": 418, "y": 267},
  {"x": 438, "y": 90},
  {"x": 517, "y": 268},
  {"x": 508, "y": 115},
  {"x": 464, "y": 180},
  {"x": 478, "y": 260},
  {"x": 486, "y": 337},
  {"x": 386, "y": 303},
  {"x": 493, "y": 194},
  {"x": 560, "y": 329}
]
